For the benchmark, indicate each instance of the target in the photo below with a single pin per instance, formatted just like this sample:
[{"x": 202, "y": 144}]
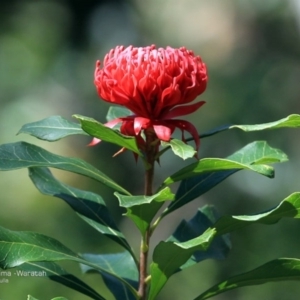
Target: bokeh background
[{"x": 48, "y": 51}]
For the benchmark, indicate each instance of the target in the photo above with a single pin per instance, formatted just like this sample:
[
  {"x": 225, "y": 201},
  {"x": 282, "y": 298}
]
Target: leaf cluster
[{"x": 204, "y": 236}]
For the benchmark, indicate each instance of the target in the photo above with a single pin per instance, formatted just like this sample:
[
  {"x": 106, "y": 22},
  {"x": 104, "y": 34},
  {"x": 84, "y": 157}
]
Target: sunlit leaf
[
  {"x": 209, "y": 165},
  {"x": 128, "y": 201},
  {"x": 288, "y": 208},
  {"x": 100, "y": 131},
  {"x": 18, "y": 247},
  {"x": 168, "y": 257},
  {"x": 24, "y": 155},
  {"x": 142, "y": 209},
  {"x": 254, "y": 153},
  {"x": 280, "y": 269},
  {"x": 291, "y": 121},
  {"x": 52, "y": 129},
  {"x": 120, "y": 263},
  {"x": 187, "y": 230},
  {"x": 89, "y": 206},
  {"x": 180, "y": 149}
]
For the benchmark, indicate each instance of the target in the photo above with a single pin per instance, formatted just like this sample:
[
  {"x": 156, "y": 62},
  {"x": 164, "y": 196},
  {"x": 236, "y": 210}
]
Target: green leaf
[
  {"x": 208, "y": 165},
  {"x": 252, "y": 154},
  {"x": 187, "y": 230},
  {"x": 100, "y": 131},
  {"x": 18, "y": 247},
  {"x": 292, "y": 121},
  {"x": 129, "y": 201},
  {"x": 142, "y": 209},
  {"x": 52, "y": 129},
  {"x": 280, "y": 269},
  {"x": 56, "y": 273},
  {"x": 142, "y": 215},
  {"x": 180, "y": 149},
  {"x": 121, "y": 264},
  {"x": 89, "y": 206},
  {"x": 23, "y": 155},
  {"x": 288, "y": 208},
  {"x": 115, "y": 112},
  {"x": 168, "y": 257},
  {"x": 56, "y": 298}
]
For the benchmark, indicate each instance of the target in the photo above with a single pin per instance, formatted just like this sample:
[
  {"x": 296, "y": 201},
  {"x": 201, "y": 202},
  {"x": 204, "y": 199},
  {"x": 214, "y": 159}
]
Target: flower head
[{"x": 155, "y": 84}]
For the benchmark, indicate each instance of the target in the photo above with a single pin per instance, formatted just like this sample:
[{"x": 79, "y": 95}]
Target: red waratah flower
[{"x": 155, "y": 84}]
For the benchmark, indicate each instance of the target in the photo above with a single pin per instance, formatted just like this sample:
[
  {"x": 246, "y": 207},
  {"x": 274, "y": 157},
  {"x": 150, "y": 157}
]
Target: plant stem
[{"x": 150, "y": 151}]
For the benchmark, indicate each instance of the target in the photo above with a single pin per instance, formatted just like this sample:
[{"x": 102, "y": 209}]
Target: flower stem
[{"x": 151, "y": 152}]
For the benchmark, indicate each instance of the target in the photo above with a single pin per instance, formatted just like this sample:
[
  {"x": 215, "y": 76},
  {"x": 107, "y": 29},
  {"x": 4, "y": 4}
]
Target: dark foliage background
[{"x": 48, "y": 51}]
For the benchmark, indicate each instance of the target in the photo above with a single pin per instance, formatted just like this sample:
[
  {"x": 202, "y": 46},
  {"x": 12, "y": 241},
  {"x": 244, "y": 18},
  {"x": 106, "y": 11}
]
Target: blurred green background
[{"x": 48, "y": 51}]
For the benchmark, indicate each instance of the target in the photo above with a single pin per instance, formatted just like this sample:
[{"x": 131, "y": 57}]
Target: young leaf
[
  {"x": 168, "y": 257},
  {"x": 56, "y": 273},
  {"x": 104, "y": 133},
  {"x": 129, "y": 201},
  {"x": 24, "y": 155},
  {"x": 18, "y": 247},
  {"x": 115, "y": 112},
  {"x": 89, "y": 206},
  {"x": 208, "y": 165},
  {"x": 252, "y": 154},
  {"x": 288, "y": 208},
  {"x": 180, "y": 149},
  {"x": 52, "y": 129},
  {"x": 204, "y": 219},
  {"x": 121, "y": 264},
  {"x": 280, "y": 269},
  {"x": 142, "y": 215},
  {"x": 142, "y": 209}
]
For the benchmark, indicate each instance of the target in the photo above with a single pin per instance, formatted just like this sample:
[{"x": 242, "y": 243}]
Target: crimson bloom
[{"x": 155, "y": 84}]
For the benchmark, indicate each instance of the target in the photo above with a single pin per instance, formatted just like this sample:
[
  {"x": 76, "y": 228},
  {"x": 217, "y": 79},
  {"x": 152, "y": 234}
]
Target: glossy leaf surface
[
  {"x": 100, "y": 131},
  {"x": 52, "y": 129},
  {"x": 288, "y": 208},
  {"x": 18, "y": 247},
  {"x": 24, "y": 155},
  {"x": 180, "y": 149},
  {"x": 168, "y": 257},
  {"x": 121, "y": 264},
  {"x": 58, "y": 274},
  {"x": 89, "y": 206},
  {"x": 208, "y": 165},
  {"x": 291, "y": 121},
  {"x": 280, "y": 269},
  {"x": 251, "y": 154},
  {"x": 142, "y": 209},
  {"x": 187, "y": 230}
]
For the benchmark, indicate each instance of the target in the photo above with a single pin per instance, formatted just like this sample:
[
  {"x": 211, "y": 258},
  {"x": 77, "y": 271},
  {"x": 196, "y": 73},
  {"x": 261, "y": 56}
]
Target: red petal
[
  {"x": 94, "y": 142},
  {"x": 140, "y": 123},
  {"x": 189, "y": 127},
  {"x": 183, "y": 110},
  {"x": 163, "y": 132}
]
